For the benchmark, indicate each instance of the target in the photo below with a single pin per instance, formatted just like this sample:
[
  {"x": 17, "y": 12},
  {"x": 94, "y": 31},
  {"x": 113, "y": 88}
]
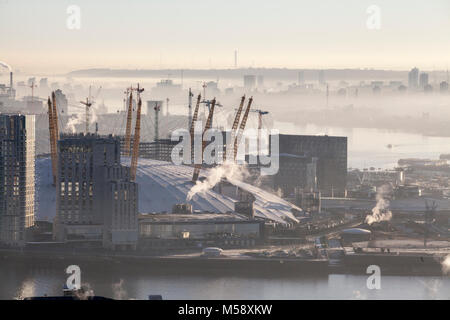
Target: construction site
[{"x": 103, "y": 189}]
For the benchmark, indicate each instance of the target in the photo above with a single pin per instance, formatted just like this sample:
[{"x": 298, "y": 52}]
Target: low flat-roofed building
[{"x": 190, "y": 229}]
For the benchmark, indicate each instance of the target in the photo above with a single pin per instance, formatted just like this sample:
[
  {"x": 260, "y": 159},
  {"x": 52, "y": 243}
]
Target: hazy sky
[{"x": 205, "y": 33}]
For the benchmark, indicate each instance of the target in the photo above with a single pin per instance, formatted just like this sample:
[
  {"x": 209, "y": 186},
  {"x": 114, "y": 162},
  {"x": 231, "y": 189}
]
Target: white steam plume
[
  {"x": 93, "y": 114},
  {"x": 119, "y": 293},
  {"x": 381, "y": 211},
  {"x": 446, "y": 265},
  {"x": 228, "y": 169},
  {"x": 4, "y": 64},
  {"x": 73, "y": 121},
  {"x": 85, "y": 292}
]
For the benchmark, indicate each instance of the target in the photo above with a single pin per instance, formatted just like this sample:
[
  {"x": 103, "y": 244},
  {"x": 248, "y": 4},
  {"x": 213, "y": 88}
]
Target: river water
[
  {"x": 19, "y": 281},
  {"x": 369, "y": 147}
]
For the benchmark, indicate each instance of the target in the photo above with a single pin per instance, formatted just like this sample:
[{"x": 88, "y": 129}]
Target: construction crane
[
  {"x": 235, "y": 124},
  {"x": 136, "y": 139},
  {"x": 208, "y": 125},
  {"x": 129, "y": 120},
  {"x": 139, "y": 90},
  {"x": 32, "y": 86},
  {"x": 208, "y": 104},
  {"x": 88, "y": 105},
  {"x": 242, "y": 127},
  {"x": 157, "y": 108},
  {"x": 204, "y": 89}
]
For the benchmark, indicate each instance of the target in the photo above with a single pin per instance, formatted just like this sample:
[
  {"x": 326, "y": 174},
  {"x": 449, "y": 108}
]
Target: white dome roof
[{"x": 163, "y": 184}]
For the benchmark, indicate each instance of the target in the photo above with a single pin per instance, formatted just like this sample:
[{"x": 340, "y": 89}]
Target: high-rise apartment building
[
  {"x": 413, "y": 78},
  {"x": 96, "y": 201},
  {"x": 17, "y": 172},
  {"x": 423, "y": 80}
]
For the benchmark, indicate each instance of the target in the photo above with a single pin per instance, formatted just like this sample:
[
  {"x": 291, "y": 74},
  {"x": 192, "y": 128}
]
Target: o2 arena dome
[{"x": 163, "y": 184}]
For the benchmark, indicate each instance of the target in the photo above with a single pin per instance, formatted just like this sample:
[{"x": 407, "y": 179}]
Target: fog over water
[{"x": 415, "y": 124}]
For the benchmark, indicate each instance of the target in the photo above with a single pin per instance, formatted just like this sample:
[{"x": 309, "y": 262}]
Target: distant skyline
[{"x": 201, "y": 34}]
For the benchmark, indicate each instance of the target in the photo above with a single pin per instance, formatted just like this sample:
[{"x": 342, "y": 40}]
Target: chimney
[
  {"x": 245, "y": 204},
  {"x": 11, "y": 83}
]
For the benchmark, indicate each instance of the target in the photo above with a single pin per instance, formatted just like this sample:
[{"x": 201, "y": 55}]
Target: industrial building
[
  {"x": 17, "y": 177},
  {"x": 331, "y": 154},
  {"x": 172, "y": 230},
  {"x": 96, "y": 201}
]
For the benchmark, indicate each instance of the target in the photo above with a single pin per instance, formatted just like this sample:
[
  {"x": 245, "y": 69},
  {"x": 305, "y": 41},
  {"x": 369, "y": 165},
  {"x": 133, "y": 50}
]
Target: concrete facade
[
  {"x": 331, "y": 154},
  {"x": 96, "y": 201},
  {"x": 17, "y": 177}
]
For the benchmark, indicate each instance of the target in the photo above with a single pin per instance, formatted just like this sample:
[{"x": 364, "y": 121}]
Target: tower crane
[
  {"x": 32, "y": 86},
  {"x": 208, "y": 104},
  {"x": 157, "y": 109},
  {"x": 88, "y": 105},
  {"x": 198, "y": 167}
]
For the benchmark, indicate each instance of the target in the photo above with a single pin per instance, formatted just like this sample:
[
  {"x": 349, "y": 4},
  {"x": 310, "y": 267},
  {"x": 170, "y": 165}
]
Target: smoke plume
[
  {"x": 446, "y": 265},
  {"x": 93, "y": 114},
  {"x": 118, "y": 291},
  {"x": 4, "y": 64},
  {"x": 228, "y": 169},
  {"x": 381, "y": 211},
  {"x": 85, "y": 292},
  {"x": 74, "y": 120}
]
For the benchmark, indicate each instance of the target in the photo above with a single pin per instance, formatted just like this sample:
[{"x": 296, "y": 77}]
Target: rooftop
[{"x": 163, "y": 184}]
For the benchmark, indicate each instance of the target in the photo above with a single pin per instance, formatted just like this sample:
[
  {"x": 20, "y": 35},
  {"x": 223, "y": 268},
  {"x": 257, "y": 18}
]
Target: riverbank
[{"x": 399, "y": 263}]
